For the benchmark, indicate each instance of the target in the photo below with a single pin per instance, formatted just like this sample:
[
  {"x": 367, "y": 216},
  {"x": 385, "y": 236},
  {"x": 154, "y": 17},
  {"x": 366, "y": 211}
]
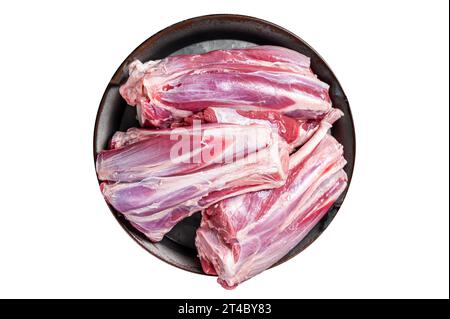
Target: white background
[{"x": 391, "y": 236}]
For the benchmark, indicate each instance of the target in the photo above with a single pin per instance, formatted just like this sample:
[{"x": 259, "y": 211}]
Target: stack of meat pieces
[{"x": 240, "y": 135}]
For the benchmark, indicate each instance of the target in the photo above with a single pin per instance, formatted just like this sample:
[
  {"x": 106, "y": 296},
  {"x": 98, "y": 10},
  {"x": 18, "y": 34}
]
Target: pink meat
[
  {"x": 262, "y": 77},
  {"x": 142, "y": 153},
  {"x": 286, "y": 127},
  {"x": 242, "y": 236},
  {"x": 154, "y": 189},
  {"x": 295, "y": 132}
]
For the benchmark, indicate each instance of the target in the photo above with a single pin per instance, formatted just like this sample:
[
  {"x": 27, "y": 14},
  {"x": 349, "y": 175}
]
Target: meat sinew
[
  {"x": 257, "y": 78},
  {"x": 242, "y": 236},
  {"x": 155, "y": 178}
]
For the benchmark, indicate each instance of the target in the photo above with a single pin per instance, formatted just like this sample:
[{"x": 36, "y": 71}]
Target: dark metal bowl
[{"x": 196, "y": 35}]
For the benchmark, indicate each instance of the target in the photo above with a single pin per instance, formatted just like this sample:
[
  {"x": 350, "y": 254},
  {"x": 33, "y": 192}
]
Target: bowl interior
[{"x": 196, "y": 36}]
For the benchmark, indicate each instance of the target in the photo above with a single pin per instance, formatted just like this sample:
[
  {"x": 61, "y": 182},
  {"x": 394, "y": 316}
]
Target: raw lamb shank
[
  {"x": 170, "y": 174},
  {"x": 256, "y": 78},
  {"x": 244, "y": 235}
]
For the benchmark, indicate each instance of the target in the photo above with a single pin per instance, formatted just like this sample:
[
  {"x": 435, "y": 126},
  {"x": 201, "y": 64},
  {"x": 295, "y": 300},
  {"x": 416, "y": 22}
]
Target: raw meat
[
  {"x": 262, "y": 77},
  {"x": 142, "y": 153},
  {"x": 244, "y": 235},
  {"x": 155, "y": 186},
  {"x": 295, "y": 132},
  {"x": 286, "y": 127}
]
